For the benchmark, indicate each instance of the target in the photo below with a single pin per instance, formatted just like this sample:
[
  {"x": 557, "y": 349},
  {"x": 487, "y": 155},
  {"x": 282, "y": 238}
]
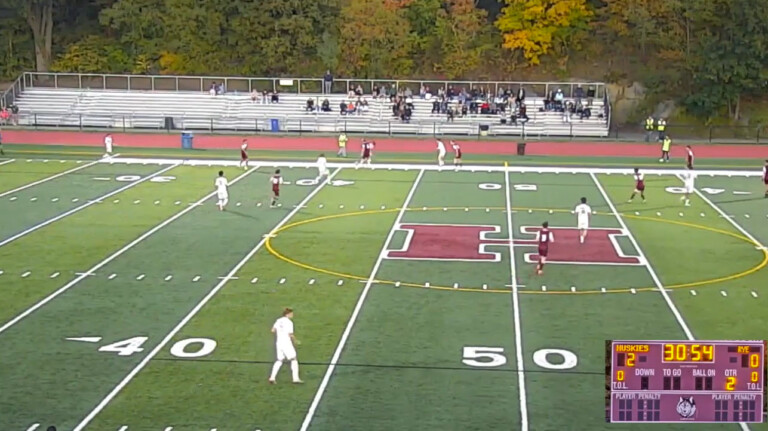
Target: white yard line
[
  {"x": 116, "y": 390},
  {"x": 652, "y": 272},
  {"x": 516, "y": 313},
  {"x": 46, "y": 179},
  {"x": 4, "y": 162},
  {"x": 84, "y": 206},
  {"x": 109, "y": 259},
  {"x": 356, "y": 311},
  {"x": 730, "y": 219}
]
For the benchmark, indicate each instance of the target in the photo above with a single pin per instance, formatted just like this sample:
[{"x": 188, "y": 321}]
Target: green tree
[
  {"x": 460, "y": 29},
  {"x": 137, "y": 23},
  {"x": 93, "y": 54},
  {"x": 375, "y": 40},
  {"x": 730, "y": 56},
  {"x": 538, "y": 27}
]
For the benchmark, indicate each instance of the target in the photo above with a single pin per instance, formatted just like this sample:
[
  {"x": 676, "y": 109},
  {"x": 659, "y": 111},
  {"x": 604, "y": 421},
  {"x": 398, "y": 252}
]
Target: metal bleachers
[{"x": 236, "y": 111}]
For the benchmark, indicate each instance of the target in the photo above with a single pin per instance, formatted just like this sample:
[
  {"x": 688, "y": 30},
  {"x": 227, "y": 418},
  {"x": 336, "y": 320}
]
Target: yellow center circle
[{"x": 271, "y": 249}]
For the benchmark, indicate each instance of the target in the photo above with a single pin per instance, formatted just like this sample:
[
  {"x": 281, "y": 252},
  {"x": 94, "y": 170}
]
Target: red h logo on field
[{"x": 470, "y": 243}]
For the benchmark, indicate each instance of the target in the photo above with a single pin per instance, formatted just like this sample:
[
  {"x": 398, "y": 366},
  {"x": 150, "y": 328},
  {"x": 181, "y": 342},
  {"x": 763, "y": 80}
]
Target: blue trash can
[
  {"x": 186, "y": 140},
  {"x": 274, "y": 125}
]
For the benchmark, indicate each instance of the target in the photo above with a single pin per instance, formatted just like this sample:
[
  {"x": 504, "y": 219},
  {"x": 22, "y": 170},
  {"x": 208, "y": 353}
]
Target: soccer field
[{"x": 129, "y": 302}]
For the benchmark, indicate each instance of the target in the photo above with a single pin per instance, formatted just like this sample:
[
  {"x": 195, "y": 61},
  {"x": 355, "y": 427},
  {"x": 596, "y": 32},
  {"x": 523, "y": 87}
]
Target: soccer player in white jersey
[
  {"x": 689, "y": 179},
  {"x": 322, "y": 169},
  {"x": 583, "y": 213},
  {"x": 108, "y": 145},
  {"x": 440, "y": 153},
  {"x": 284, "y": 340},
  {"x": 222, "y": 191}
]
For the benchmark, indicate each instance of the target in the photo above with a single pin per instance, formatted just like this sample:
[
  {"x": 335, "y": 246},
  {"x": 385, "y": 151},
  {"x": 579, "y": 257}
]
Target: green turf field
[{"x": 129, "y": 302}]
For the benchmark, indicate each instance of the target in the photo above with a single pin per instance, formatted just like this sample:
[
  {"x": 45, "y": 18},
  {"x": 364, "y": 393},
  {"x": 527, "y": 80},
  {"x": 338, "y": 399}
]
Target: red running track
[{"x": 391, "y": 145}]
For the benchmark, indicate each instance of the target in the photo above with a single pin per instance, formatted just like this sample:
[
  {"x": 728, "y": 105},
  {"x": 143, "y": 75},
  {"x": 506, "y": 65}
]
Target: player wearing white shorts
[
  {"x": 222, "y": 192},
  {"x": 583, "y": 213},
  {"x": 322, "y": 169},
  {"x": 689, "y": 179},
  {"x": 284, "y": 339},
  {"x": 440, "y": 153},
  {"x": 108, "y": 145}
]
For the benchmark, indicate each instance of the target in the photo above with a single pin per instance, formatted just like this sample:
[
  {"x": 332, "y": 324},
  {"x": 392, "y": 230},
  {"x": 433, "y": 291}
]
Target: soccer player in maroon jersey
[
  {"x": 243, "y": 154},
  {"x": 689, "y": 157},
  {"x": 276, "y": 180},
  {"x": 456, "y": 155},
  {"x": 765, "y": 178},
  {"x": 639, "y": 185},
  {"x": 543, "y": 238},
  {"x": 365, "y": 153}
]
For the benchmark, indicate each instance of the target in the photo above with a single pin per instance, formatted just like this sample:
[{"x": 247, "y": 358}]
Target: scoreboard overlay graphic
[{"x": 686, "y": 381}]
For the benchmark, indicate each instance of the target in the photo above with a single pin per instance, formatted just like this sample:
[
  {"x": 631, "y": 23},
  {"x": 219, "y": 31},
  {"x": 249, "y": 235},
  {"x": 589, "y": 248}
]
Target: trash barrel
[
  {"x": 484, "y": 129},
  {"x": 186, "y": 140},
  {"x": 274, "y": 125},
  {"x": 521, "y": 148}
]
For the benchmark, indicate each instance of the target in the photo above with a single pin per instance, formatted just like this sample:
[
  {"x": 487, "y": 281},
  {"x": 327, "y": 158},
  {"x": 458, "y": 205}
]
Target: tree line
[{"x": 709, "y": 55}]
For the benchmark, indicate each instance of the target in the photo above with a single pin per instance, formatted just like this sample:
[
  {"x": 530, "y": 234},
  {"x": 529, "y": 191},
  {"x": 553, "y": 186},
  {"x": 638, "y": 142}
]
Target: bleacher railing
[
  {"x": 283, "y": 85},
  {"x": 174, "y": 124}
]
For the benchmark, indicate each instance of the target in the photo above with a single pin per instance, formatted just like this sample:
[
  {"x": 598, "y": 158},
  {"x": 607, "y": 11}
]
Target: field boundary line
[
  {"x": 79, "y": 208},
  {"x": 5, "y": 162},
  {"x": 358, "y": 306},
  {"x": 143, "y": 363},
  {"x": 672, "y": 307},
  {"x": 46, "y": 179},
  {"x": 434, "y": 167},
  {"x": 112, "y": 257},
  {"x": 516, "y": 312}
]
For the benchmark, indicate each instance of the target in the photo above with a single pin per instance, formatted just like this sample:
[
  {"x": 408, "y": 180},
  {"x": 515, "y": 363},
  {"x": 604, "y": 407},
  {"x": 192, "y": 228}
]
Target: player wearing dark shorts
[
  {"x": 689, "y": 157},
  {"x": 276, "y": 180},
  {"x": 365, "y": 153},
  {"x": 765, "y": 178},
  {"x": 456, "y": 154},
  {"x": 544, "y": 237},
  {"x": 639, "y": 185},
  {"x": 244, "y": 154}
]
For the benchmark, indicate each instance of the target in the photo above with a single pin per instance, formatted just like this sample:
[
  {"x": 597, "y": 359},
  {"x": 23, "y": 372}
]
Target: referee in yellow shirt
[{"x": 342, "y": 145}]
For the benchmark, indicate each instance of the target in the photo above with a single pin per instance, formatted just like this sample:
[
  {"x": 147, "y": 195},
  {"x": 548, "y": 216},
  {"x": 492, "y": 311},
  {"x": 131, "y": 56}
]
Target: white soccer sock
[
  {"x": 224, "y": 203},
  {"x": 275, "y": 369},
  {"x": 295, "y": 370}
]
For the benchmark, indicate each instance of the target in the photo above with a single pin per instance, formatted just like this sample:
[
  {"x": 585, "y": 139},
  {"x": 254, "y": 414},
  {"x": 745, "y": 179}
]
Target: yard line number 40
[
  {"x": 491, "y": 357},
  {"x": 188, "y": 348}
]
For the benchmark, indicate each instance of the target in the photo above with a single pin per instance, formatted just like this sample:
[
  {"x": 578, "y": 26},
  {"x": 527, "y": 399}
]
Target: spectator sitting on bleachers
[
  {"x": 359, "y": 90},
  {"x": 310, "y": 105},
  {"x": 363, "y": 106},
  {"x": 375, "y": 91},
  {"x": 212, "y": 90},
  {"x": 342, "y": 108},
  {"x": 392, "y": 93},
  {"x": 254, "y": 96},
  {"x": 275, "y": 98},
  {"x": 422, "y": 91},
  {"x": 220, "y": 89},
  {"x": 464, "y": 109},
  {"x": 326, "y": 106},
  {"x": 436, "y": 106},
  {"x": 450, "y": 93},
  {"x": 450, "y": 114},
  {"x": 485, "y": 107},
  {"x": 264, "y": 97},
  {"x": 351, "y": 108}
]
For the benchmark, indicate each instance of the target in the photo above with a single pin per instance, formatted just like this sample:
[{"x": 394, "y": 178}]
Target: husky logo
[{"x": 686, "y": 407}]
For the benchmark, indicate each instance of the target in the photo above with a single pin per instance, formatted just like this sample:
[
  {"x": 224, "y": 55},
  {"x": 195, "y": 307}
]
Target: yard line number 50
[
  {"x": 188, "y": 348},
  {"x": 491, "y": 357}
]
